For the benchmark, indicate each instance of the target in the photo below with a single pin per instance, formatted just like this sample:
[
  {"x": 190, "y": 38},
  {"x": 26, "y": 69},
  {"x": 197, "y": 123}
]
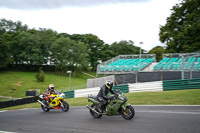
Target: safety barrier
[
  {"x": 94, "y": 91},
  {"x": 22, "y": 101},
  {"x": 69, "y": 94},
  {"x": 86, "y": 92},
  {"x": 123, "y": 88},
  {"x": 181, "y": 84},
  {"x": 127, "y": 88},
  {"x": 147, "y": 86}
]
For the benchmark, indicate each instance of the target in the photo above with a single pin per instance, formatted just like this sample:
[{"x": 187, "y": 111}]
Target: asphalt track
[{"x": 148, "y": 119}]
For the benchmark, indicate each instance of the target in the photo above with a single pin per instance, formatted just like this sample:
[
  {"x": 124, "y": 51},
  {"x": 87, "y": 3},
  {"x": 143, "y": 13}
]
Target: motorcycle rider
[
  {"x": 47, "y": 94},
  {"x": 50, "y": 89},
  {"x": 102, "y": 95}
]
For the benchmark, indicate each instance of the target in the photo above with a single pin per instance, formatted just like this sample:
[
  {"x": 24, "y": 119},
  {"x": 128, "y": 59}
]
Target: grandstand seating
[
  {"x": 197, "y": 64},
  {"x": 192, "y": 63},
  {"x": 127, "y": 65},
  {"x": 132, "y": 63}
]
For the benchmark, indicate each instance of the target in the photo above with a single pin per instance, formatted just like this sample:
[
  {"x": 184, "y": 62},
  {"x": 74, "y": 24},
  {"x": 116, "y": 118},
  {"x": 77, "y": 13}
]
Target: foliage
[
  {"x": 4, "y": 50},
  {"x": 159, "y": 51},
  {"x": 8, "y": 26},
  {"x": 21, "y": 46},
  {"x": 40, "y": 75},
  {"x": 181, "y": 33},
  {"x": 67, "y": 54},
  {"x": 125, "y": 48},
  {"x": 95, "y": 46}
]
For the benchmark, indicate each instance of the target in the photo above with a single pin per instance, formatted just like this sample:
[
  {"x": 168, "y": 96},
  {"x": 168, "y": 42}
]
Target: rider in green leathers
[{"x": 102, "y": 95}]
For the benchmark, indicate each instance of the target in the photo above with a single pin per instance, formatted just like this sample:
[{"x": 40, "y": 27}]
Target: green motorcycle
[{"x": 116, "y": 106}]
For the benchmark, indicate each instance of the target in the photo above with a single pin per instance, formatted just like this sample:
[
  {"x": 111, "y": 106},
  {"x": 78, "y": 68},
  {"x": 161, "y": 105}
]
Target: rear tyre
[
  {"x": 65, "y": 107},
  {"x": 128, "y": 113},
  {"x": 45, "y": 109},
  {"x": 95, "y": 115}
]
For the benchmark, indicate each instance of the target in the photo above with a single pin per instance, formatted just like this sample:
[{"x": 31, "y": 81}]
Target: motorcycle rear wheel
[
  {"x": 95, "y": 115},
  {"x": 66, "y": 106},
  {"x": 128, "y": 113}
]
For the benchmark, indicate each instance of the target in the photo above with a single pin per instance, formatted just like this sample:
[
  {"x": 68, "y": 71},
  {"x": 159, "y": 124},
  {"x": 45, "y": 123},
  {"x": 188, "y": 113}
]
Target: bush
[{"x": 40, "y": 75}]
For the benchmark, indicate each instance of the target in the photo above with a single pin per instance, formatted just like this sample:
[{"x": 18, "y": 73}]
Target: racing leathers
[
  {"x": 102, "y": 96},
  {"x": 47, "y": 96}
]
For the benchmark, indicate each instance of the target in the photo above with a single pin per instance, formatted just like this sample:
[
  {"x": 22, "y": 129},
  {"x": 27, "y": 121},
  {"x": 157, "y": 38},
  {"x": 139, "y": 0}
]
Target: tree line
[{"x": 21, "y": 45}]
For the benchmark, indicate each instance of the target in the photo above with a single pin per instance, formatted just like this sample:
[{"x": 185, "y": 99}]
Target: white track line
[
  {"x": 170, "y": 112},
  {"x": 6, "y": 132},
  {"x": 167, "y": 105}
]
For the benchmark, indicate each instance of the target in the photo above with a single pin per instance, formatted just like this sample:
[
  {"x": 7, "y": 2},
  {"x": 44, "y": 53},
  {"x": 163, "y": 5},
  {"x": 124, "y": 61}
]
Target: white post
[
  {"x": 69, "y": 79},
  {"x": 182, "y": 71},
  {"x": 140, "y": 55}
]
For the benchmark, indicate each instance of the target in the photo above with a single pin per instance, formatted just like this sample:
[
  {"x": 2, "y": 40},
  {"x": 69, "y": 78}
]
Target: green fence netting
[
  {"x": 69, "y": 94},
  {"x": 123, "y": 88},
  {"x": 181, "y": 84}
]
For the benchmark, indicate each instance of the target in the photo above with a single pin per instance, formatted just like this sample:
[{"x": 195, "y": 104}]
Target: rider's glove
[{"x": 116, "y": 95}]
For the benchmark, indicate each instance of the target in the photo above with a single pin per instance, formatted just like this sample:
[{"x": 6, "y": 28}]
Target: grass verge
[
  {"x": 27, "y": 80},
  {"x": 176, "y": 97}
]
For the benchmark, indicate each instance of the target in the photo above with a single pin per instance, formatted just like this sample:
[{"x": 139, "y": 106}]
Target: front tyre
[
  {"x": 95, "y": 115},
  {"x": 45, "y": 109},
  {"x": 128, "y": 113},
  {"x": 65, "y": 106}
]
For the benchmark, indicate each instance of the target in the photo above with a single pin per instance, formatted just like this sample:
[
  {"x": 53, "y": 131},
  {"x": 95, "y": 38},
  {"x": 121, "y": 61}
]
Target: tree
[
  {"x": 78, "y": 56},
  {"x": 4, "y": 50},
  {"x": 106, "y": 53},
  {"x": 158, "y": 50},
  {"x": 94, "y": 47},
  {"x": 67, "y": 53},
  {"x": 125, "y": 48},
  {"x": 40, "y": 76},
  {"x": 181, "y": 33},
  {"x": 8, "y": 31},
  {"x": 8, "y": 26}
]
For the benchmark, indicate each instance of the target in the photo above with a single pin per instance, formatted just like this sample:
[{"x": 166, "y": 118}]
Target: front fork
[
  {"x": 61, "y": 104},
  {"x": 125, "y": 105}
]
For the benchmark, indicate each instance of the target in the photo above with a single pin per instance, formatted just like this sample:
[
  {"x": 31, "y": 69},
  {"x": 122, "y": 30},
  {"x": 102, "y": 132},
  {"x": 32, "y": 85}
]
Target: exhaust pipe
[
  {"x": 93, "y": 110},
  {"x": 41, "y": 102}
]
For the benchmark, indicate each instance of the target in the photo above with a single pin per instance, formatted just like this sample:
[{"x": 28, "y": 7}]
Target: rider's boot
[
  {"x": 100, "y": 109},
  {"x": 47, "y": 104}
]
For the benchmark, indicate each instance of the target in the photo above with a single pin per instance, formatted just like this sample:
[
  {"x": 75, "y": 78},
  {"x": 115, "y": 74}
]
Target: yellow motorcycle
[{"x": 54, "y": 101}]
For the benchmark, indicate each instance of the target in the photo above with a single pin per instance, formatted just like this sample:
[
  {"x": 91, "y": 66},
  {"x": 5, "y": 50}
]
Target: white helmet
[{"x": 51, "y": 86}]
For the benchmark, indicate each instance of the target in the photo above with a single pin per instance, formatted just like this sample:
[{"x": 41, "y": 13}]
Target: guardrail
[
  {"x": 147, "y": 86},
  {"x": 126, "y": 88},
  {"x": 123, "y": 88},
  {"x": 94, "y": 91},
  {"x": 181, "y": 84},
  {"x": 22, "y": 101},
  {"x": 69, "y": 94},
  {"x": 86, "y": 92},
  {"x": 143, "y": 87}
]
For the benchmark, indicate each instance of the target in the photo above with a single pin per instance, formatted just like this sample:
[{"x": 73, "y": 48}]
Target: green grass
[
  {"x": 176, "y": 97},
  {"x": 28, "y": 81}
]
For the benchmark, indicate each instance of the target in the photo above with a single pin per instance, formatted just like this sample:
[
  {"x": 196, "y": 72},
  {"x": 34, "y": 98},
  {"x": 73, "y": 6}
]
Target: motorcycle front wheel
[
  {"x": 95, "y": 115},
  {"x": 65, "y": 107},
  {"x": 128, "y": 113}
]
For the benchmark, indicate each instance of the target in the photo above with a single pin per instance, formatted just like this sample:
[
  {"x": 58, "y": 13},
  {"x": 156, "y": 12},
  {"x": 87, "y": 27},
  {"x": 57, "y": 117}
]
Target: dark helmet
[
  {"x": 109, "y": 84},
  {"x": 51, "y": 86}
]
